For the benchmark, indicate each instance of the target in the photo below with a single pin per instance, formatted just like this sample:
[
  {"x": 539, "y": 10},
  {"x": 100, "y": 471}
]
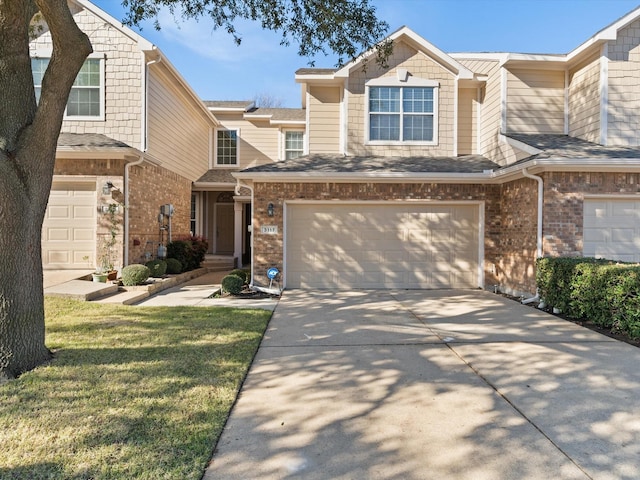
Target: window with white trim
[
  {"x": 293, "y": 144},
  {"x": 402, "y": 114},
  {"x": 86, "y": 98},
  {"x": 227, "y": 147}
]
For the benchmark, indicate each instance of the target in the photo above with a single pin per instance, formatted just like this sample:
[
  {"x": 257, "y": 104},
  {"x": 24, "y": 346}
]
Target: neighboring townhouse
[
  {"x": 247, "y": 136},
  {"x": 456, "y": 170},
  {"x": 134, "y": 134}
]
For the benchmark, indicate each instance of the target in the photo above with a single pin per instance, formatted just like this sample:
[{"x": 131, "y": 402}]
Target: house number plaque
[{"x": 269, "y": 229}]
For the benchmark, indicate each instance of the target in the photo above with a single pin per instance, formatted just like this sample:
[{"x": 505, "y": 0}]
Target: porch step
[{"x": 218, "y": 263}]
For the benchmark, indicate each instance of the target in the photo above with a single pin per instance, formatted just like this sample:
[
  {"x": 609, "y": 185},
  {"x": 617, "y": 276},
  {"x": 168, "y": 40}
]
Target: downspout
[
  {"x": 539, "y": 230},
  {"x": 127, "y": 167}
]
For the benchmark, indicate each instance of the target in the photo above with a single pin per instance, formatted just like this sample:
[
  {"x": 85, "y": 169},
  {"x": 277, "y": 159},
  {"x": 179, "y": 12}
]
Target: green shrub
[
  {"x": 232, "y": 284},
  {"x": 189, "y": 251},
  {"x": 602, "y": 291},
  {"x": 157, "y": 268},
  {"x": 173, "y": 266},
  {"x": 135, "y": 274},
  {"x": 241, "y": 273}
]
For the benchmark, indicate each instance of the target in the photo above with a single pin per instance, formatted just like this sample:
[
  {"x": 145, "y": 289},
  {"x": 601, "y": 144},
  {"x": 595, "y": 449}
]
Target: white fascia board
[
  {"x": 518, "y": 144},
  {"x": 375, "y": 177},
  {"x": 143, "y": 43},
  {"x": 488, "y": 56},
  {"x": 249, "y": 116},
  {"x": 293, "y": 123},
  {"x": 606, "y": 34},
  {"x": 568, "y": 165},
  {"x": 423, "y": 46},
  {"x": 311, "y": 77}
]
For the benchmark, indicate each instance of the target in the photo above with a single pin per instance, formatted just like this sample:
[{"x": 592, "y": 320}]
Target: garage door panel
[
  {"x": 612, "y": 229},
  {"x": 68, "y": 230},
  {"x": 384, "y": 246}
]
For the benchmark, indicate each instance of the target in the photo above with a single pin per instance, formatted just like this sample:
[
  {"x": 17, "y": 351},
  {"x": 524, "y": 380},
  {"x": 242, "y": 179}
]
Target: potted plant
[{"x": 107, "y": 250}]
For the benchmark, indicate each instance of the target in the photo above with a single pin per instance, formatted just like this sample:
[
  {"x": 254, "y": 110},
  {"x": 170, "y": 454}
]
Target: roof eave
[{"x": 371, "y": 177}]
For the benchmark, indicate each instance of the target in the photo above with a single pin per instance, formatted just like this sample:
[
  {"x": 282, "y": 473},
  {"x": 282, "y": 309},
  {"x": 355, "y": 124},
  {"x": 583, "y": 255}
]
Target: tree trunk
[{"x": 28, "y": 138}]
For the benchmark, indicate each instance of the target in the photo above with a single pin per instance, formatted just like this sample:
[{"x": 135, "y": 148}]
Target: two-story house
[
  {"x": 456, "y": 170},
  {"x": 134, "y": 134}
]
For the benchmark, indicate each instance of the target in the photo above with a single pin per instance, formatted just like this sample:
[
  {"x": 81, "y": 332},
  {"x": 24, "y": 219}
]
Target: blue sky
[{"x": 217, "y": 69}]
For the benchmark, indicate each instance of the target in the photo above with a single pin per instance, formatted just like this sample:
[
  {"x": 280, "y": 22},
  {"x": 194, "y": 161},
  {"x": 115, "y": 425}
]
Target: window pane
[
  {"x": 384, "y": 127},
  {"x": 84, "y": 102},
  {"x": 384, "y": 99},
  {"x": 89, "y": 75},
  {"x": 417, "y": 128},
  {"x": 293, "y": 144},
  {"x": 418, "y": 100},
  {"x": 227, "y": 147},
  {"x": 38, "y": 67}
]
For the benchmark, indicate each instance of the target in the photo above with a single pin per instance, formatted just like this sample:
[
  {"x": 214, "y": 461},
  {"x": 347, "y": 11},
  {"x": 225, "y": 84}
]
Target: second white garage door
[
  {"x": 612, "y": 229},
  {"x": 382, "y": 246},
  {"x": 69, "y": 229}
]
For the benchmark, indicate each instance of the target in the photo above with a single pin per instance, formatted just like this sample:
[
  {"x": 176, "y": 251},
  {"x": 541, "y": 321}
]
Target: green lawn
[{"x": 133, "y": 392}]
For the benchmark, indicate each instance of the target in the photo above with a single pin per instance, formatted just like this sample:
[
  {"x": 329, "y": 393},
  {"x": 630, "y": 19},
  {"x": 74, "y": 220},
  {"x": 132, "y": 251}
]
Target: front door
[{"x": 224, "y": 228}]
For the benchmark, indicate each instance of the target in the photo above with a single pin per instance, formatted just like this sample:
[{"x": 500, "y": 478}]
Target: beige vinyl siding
[
  {"x": 178, "y": 132},
  {"x": 623, "y": 127},
  {"x": 420, "y": 66},
  {"x": 467, "y": 120},
  {"x": 491, "y": 111},
  {"x": 535, "y": 101},
  {"x": 584, "y": 100},
  {"x": 324, "y": 119},
  {"x": 123, "y": 81},
  {"x": 258, "y": 139}
]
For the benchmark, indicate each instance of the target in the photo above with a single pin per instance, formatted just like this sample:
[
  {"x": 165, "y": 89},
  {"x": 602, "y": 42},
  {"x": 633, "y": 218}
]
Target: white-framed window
[
  {"x": 403, "y": 113},
  {"x": 227, "y": 147},
  {"x": 86, "y": 98},
  {"x": 293, "y": 144}
]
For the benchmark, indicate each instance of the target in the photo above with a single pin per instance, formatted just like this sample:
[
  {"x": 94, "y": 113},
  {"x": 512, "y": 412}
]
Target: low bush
[
  {"x": 135, "y": 274},
  {"x": 232, "y": 284},
  {"x": 157, "y": 268},
  {"x": 173, "y": 266},
  {"x": 602, "y": 291},
  {"x": 189, "y": 251},
  {"x": 241, "y": 273}
]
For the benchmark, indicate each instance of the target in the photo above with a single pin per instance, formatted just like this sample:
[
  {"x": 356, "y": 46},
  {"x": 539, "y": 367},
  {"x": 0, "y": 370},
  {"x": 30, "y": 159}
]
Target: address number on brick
[{"x": 269, "y": 229}]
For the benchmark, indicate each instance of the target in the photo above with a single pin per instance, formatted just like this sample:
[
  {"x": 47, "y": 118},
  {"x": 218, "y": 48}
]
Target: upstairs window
[
  {"x": 227, "y": 148},
  {"x": 86, "y": 98},
  {"x": 402, "y": 114},
  {"x": 293, "y": 144}
]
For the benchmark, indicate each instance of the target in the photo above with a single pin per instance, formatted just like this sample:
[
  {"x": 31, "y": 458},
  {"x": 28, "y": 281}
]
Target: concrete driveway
[{"x": 431, "y": 385}]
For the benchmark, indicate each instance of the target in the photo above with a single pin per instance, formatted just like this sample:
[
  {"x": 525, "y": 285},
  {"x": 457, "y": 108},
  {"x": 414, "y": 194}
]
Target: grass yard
[{"x": 133, "y": 392}]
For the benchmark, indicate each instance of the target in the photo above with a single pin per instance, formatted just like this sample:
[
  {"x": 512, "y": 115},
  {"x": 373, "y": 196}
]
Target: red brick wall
[
  {"x": 150, "y": 187},
  {"x": 268, "y": 249},
  {"x": 564, "y": 204}
]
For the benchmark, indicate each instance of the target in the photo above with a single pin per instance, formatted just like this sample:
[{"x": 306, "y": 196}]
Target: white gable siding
[
  {"x": 178, "y": 131},
  {"x": 420, "y": 66},
  {"x": 535, "y": 101},
  {"x": 584, "y": 100},
  {"x": 123, "y": 80}
]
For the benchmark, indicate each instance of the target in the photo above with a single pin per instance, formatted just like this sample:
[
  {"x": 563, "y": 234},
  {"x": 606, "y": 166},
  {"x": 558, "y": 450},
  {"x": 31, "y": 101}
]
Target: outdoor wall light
[
  {"x": 270, "y": 209},
  {"x": 106, "y": 189}
]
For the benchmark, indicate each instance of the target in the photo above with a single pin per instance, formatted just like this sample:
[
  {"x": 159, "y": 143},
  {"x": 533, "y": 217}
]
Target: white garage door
[
  {"x": 612, "y": 229},
  {"x": 382, "y": 246},
  {"x": 69, "y": 228}
]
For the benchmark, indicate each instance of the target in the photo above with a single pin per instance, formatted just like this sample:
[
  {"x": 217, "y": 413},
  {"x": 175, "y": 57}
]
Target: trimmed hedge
[
  {"x": 173, "y": 266},
  {"x": 232, "y": 284},
  {"x": 241, "y": 273},
  {"x": 135, "y": 274},
  {"x": 602, "y": 291},
  {"x": 157, "y": 267}
]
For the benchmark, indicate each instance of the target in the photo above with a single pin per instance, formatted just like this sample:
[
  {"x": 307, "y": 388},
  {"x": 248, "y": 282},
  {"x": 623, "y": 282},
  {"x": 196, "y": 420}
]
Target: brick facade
[{"x": 269, "y": 249}]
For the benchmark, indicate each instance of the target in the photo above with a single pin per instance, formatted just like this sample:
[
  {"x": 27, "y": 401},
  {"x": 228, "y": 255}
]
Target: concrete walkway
[{"x": 431, "y": 385}]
